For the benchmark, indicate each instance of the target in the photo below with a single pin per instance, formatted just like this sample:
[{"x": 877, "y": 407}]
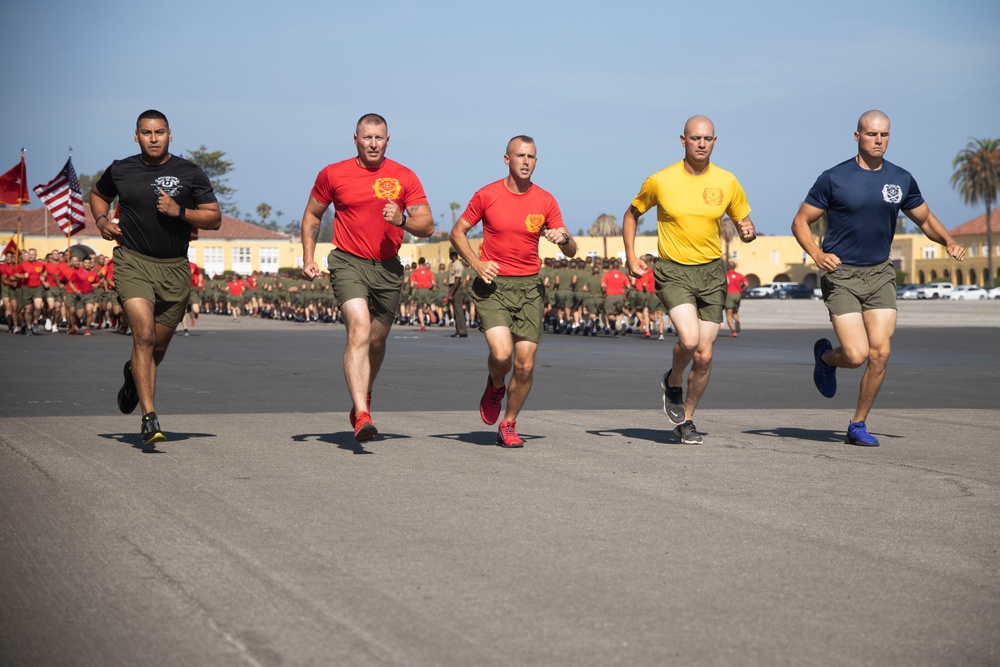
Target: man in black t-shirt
[{"x": 161, "y": 197}]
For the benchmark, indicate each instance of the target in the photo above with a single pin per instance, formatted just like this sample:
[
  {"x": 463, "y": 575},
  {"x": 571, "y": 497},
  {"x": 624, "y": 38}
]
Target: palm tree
[
  {"x": 977, "y": 179},
  {"x": 454, "y": 206}
]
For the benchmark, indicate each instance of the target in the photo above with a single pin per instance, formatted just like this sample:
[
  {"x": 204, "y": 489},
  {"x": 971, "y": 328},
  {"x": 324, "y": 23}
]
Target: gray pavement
[{"x": 260, "y": 533}]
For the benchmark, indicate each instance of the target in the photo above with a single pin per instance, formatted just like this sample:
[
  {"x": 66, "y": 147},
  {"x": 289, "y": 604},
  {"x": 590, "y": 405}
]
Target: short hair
[
  {"x": 372, "y": 119},
  {"x": 151, "y": 114},
  {"x": 452, "y": 252},
  {"x": 870, "y": 115},
  {"x": 521, "y": 137}
]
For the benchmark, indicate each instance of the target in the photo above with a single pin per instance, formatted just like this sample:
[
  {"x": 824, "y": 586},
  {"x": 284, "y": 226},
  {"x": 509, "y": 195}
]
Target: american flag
[{"x": 64, "y": 200}]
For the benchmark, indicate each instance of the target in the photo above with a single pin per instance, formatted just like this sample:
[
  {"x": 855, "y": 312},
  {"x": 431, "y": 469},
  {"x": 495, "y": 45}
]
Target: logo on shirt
[
  {"x": 387, "y": 188},
  {"x": 712, "y": 196},
  {"x": 892, "y": 194},
  {"x": 169, "y": 184},
  {"x": 534, "y": 222}
]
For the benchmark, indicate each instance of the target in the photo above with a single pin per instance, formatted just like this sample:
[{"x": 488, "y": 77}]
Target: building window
[
  {"x": 214, "y": 260},
  {"x": 805, "y": 257},
  {"x": 972, "y": 249},
  {"x": 242, "y": 260},
  {"x": 269, "y": 260},
  {"x": 734, "y": 255},
  {"x": 774, "y": 257},
  {"x": 930, "y": 252}
]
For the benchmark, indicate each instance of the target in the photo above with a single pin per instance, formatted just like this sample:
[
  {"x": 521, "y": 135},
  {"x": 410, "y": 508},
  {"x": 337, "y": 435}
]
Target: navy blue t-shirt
[{"x": 861, "y": 209}]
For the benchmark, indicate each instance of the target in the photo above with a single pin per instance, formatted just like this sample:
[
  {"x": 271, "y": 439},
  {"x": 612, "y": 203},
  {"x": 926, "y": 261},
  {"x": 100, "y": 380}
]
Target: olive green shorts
[
  {"x": 163, "y": 282},
  {"x": 376, "y": 281},
  {"x": 54, "y": 292},
  {"x": 194, "y": 299},
  {"x": 515, "y": 302},
  {"x": 701, "y": 285},
  {"x": 733, "y": 301},
  {"x": 84, "y": 299},
  {"x": 853, "y": 289},
  {"x": 26, "y": 295},
  {"x": 9, "y": 292},
  {"x": 614, "y": 304},
  {"x": 423, "y": 296}
]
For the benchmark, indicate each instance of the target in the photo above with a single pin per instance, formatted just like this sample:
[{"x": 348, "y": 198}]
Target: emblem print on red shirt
[
  {"x": 534, "y": 222},
  {"x": 387, "y": 188}
]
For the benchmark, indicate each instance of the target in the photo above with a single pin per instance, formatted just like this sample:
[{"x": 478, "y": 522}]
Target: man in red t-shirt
[
  {"x": 614, "y": 284},
  {"x": 83, "y": 280},
  {"x": 375, "y": 200},
  {"x": 194, "y": 298},
  {"x": 236, "y": 287},
  {"x": 508, "y": 292},
  {"x": 8, "y": 278},
  {"x": 53, "y": 292},
  {"x": 735, "y": 284},
  {"x": 422, "y": 281},
  {"x": 32, "y": 290}
]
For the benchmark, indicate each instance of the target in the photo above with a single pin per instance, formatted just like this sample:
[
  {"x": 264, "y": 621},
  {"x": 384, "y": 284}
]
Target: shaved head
[
  {"x": 869, "y": 117},
  {"x": 695, "y": 120}
]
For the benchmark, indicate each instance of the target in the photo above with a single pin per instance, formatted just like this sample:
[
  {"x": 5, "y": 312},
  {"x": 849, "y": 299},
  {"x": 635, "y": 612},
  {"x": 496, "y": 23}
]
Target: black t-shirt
[{"x": 137, "y": 186}]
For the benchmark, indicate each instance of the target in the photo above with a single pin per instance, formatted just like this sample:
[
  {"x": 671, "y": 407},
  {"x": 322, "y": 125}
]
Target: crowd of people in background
[{"x": 76, "y": 296}]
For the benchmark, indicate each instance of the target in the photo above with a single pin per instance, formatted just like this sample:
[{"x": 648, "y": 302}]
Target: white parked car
[
  {"x": 764, "y": 291},
  {"x": 967, "y": 293},
  {"x": 910, "y": 292},
  {"x": 934, "y": 290},
  {"x": 994, "y": 293}
]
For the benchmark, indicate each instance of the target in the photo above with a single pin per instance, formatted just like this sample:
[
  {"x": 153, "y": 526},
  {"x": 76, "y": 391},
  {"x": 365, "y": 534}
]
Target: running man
[
  {"x": 735, "y": 284},
  {"x": 691, "y": 197},
  {"x": 508, "y": 291},
  {"x": 375, "y": 200},
  {"x": 161, "y": 197},
  {"x": 862, "y": 198}
]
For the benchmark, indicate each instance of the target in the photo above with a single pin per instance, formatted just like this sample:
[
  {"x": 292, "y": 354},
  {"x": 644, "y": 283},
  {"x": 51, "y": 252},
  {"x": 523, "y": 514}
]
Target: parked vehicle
[
  {"x": 764, "y": 290},
  {"x": 966, "y": 293},
  {"x": 902, "y": 288},
  {"x": 934, "y": 290},
  {"x": 793, "y": 291},
  {"x": 909, "y": 292},
  {"x": 994, "y": 293}
]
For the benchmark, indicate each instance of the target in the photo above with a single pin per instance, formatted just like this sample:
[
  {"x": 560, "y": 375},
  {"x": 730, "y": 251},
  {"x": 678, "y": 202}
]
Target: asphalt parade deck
[{"x": 260, "y": 533}]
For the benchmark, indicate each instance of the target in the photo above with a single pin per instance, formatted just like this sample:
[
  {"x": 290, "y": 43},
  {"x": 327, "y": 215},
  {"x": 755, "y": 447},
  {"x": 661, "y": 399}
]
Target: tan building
[{"x": 244, "y": 248}]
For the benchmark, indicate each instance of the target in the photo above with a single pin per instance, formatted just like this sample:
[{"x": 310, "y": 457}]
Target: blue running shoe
[
  {"x": 857, "y": 434},
  {"x": 824, "y": 376}
]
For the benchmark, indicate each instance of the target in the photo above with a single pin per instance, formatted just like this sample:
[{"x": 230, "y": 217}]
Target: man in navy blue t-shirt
[{"x": 862, "y": 198}]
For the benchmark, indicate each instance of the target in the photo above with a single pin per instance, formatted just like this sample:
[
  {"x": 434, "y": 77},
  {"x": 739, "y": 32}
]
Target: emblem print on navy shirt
[
  {"x": 169, "y": 184},
  {"x": 892, "y": 194}
]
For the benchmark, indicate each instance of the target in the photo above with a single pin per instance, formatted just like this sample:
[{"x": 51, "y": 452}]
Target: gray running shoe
[
  {"x": 673, "y": 401},
  {"x": 687, "y": 434}
]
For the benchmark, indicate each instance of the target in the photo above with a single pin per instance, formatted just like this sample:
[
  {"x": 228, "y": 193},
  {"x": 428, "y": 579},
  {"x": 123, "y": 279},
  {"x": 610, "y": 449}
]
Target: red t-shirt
[
  {"x": 109, "y": 273},
  {"x": 34, "y": 271},
  {"x": 195, "y": 275},
  {"x": 614, "y": 282},
  {"x": 735, "y": 282},
  {"x": 52, "y": 269},
  {"x": 512, "y": 225},
  {"x": 236, "y": 287},
  {"x": 9, "y": 271},
  {"x": 646, "y": 282},
  {"x": 63, "y": 272},
  {"x": 422, "y": 278},
  {"x": 358, "y": 196},
  {"x": 84, "y": 280}
]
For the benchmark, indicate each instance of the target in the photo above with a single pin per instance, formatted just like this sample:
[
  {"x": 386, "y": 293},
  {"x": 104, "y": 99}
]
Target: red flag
[
  {"x": 63, "y": 198},
  {"x": 10, "y": 247},
  {"x": 14, "y": 186}
]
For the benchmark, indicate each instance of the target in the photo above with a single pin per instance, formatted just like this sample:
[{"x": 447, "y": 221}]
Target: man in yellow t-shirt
[{"x": 691, "y": 197}]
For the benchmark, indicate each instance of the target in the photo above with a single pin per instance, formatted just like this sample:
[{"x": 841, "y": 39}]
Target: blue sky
[{"x": 604, "y": 87}]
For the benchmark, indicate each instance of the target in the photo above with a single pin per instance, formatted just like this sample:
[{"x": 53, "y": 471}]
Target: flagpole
[
  {"x": 69, "y": 227},
  {"x": 20, "y": 237}
]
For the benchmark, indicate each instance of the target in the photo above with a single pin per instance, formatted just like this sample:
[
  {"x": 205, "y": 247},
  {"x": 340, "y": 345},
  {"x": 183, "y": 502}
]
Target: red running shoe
[
  {"x": 489, "y": 404},
  {"x": 507, "y": 436},
  {"x": 364, "y": 428},
  {"x": 353, "y": 416}
]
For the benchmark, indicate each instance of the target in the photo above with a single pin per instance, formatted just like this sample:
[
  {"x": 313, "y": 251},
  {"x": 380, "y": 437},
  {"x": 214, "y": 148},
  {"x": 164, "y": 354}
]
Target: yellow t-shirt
[{"x": 690, "y": 210}]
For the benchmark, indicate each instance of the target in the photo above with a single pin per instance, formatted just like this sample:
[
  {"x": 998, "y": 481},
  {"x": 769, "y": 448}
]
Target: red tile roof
[
  {"x": 33, "y": 224},
  {"x": 978, "y": 225}
]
